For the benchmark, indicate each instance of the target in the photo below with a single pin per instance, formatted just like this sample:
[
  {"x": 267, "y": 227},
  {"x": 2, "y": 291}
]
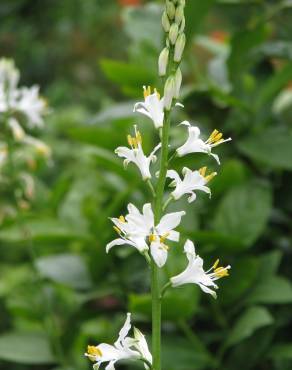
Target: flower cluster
[
  {"x": 151, "y": 230},
  {"x": 21, "y": 110}
]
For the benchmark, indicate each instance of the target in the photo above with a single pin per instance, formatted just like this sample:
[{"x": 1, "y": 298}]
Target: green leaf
[
  {"x": 271, "y": 290},
  {"x": 281, "y": 351},
  {"x": 195, "y": 12},
  {"x": 25, "y": 348},
  {"x": 244, "y": 212},
  {"x": 68, "y": 269},
  {"x": 272, "y": 87},
  {"x": 251, "y": 320},
  {"x": 128, "y": 75},
  {"x": 181, "y": 302},
  {"x": 272, "y": 148}
]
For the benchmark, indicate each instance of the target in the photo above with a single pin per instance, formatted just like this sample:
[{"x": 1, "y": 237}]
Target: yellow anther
[
  {"x": 93, "y": 352},
  {"x": 152, "y": 238},
  {"x": 164, "y": 246},
  {"x": 122, "y": 218},
  {"x": 221, "y": 272},
  {"x": 215, "y": 264},
  {"x": 207, "y": 178},
  {"x": 164, "y": 237},
  {"x": 117, "y": 229},
  {"x": 157, "y": 93},
  {"x": 202, "y": 171},
  {"x": 147, "y": 91},
  {"x": 130, "y": 140},
  {"x": 215, "y": 137},
  {"x": 138, "y": 137}
]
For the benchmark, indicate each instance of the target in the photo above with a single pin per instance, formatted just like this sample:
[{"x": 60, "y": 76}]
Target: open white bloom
[
  {"x": 195, "y": 274},
  {"x": 136, "y": 155},
  {"x": 32, "y": 106},
  {"x": 157, "y": 234},
  {"x": 125, "y": 348},
  {"x": 196, "y": 145},
  {"x": 152, "y": 107},
  {"x": 136, "y": 227},
  {"x": 193, "y": 180}
]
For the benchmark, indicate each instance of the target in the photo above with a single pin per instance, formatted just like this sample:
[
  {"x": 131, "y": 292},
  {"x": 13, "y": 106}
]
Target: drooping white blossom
[
  {"x": 192, "y": 181},
  {"x": 196, "y": 145},
  {"x": 136, "y": 155},
  {"x": 136, "y": 229},
  {"x": 195, "y": 274},
  {"x": 125, "y": 348},
  {"x": 152, "y": 107}
]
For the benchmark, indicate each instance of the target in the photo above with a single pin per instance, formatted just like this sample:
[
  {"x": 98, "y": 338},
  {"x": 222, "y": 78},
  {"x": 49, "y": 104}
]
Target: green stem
[{"x": 155, "y": 280}]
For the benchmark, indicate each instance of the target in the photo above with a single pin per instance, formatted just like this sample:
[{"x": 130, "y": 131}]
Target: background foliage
[{"x": 59, "y": 291}]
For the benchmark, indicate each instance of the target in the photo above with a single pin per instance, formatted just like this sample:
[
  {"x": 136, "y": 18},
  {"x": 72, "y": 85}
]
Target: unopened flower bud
[
  {"x": 165, "y": 22},
  {"x": 182, "y": 25},
  {"x": 179, "y": 47},
  {"x": 179, "y": 14},
  {"x": 170, "y": 9},
  {"x": 178, "y": 81},
  {"x": 163, "y": 61},
  {"x": 173, "y": 32},
  {"x": 169, "y": 91}
]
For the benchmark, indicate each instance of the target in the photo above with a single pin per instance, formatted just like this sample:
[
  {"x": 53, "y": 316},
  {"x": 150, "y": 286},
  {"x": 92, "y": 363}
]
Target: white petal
[
  {"x": 216, "y": 157},
  {"x": 125, "y": 330},
  {"x": 173, "y": 235},
  {"x": 111, "y": 366},
  {"x": 158, "y": 253},
  {"x": 169, "y": 221},
  {"x": 114, "y": 242}
]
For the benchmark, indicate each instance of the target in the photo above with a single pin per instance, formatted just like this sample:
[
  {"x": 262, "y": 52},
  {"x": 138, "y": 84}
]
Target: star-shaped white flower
[
  {"x": 32, "y": 106},
  {"x": 125, "y": 348},
  {"x": 136, "y": 155},
  {"x": 136, "y": 227},
  {"x": 196, "y": 145},
  {"x": 152, "y": 107},
  {"x": 193, "y": 180},
  {"x": 195, "y": 274}
]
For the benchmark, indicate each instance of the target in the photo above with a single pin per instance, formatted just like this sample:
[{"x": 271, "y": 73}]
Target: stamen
[
  {"x": 117, "y": 229},
  {"x": 215, "y": 138},
  {"x": 152, "y": 238},
  {"x": 147, "y": 91},
  {"x": 215, "y": 264},
  {"x": 157, "y": 93},
  {"x": 164, "y": 246},
  {"x": 221, "y": 271},
  {"x": 130, "y": 140},
  {"x": 164, "y": 237},
  {"x": 211, "y": 176},
  {"x": 202, "y": 171},
  {"x": 94, "y": 351},
  {"x": 122, "y": 219}
]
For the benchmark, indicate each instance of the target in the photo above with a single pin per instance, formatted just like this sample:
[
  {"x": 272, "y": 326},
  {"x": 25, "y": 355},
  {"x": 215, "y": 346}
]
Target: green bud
[
  {"x": 178, "y": 81},
  {"x": 173, "y": 33},
  {"x": 179, "y": 14},
  {"x": 163, "y": 61},
  {"x": 170, "y": 9},
  {"x": 182, "y": 25},
  {"x": 179, "y": 47},
  {"x": 169, "y": 91},
  {"x": 165, "y": 22}
]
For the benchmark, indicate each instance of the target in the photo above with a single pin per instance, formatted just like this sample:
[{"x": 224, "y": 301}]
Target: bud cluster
[{"x": 173, "y": 23}]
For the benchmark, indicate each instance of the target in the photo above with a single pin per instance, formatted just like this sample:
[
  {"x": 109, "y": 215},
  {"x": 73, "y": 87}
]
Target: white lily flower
[
  {"x": 136, "y": 155},
  {"x": 32, "y": 106},
  {"x": 152, "y": 107},
  {"x": 195, "y": 274},
  {"x": 157, "y": 234},
  {"x": 125, "y": 348},
  {"x": 193, "y": 180},
  {"x": 196, "y": 145},
  {"x": 136, "y": 227}
]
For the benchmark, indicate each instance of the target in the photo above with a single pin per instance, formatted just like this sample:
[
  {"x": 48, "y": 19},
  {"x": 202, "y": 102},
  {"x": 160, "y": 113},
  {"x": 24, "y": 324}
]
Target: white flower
[
  {"x": 196, "y": 145},
  {"x": 152, "y": 107},
  {"x": 136, "y": 154},
  {"x": 136, "y": 227},
  {"x": 157, "y": 235},
  {"x": 125, "y": 348},
  {"x": 193, "y": 180},
  {"x": 195, "y": 274},
  {"x": 32, "y": 106}
]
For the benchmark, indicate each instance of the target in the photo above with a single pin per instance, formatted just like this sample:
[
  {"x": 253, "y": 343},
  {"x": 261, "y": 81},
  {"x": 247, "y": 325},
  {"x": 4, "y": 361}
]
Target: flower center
[
  {"x": 147, "y": 92},
  {"x": 209, "y": 177},
  {"x": 220, "y": 271},
  {"x": 135, "y": 141},
  {"x": 122, "y": 219},
  {"x": 215, "y": 138},
  {"x": 93, "y": 352},
  {"x": 152, "y": 238}
]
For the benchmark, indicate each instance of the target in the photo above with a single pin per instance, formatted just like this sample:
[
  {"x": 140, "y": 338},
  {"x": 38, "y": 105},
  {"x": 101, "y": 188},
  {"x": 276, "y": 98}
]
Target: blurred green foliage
[{"x": 59, "y": 291}]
